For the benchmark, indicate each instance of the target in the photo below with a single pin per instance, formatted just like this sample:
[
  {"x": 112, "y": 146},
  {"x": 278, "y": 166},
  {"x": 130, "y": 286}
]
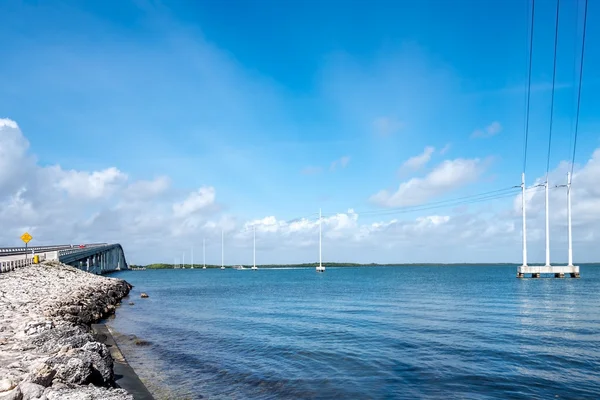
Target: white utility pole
[
  {"x": 547, "y": 225},
  {"x": 524, "y": 206},
  {"x": 569, "y": 218}
]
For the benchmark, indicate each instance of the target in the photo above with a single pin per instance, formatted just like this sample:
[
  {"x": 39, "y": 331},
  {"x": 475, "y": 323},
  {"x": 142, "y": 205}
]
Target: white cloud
[
  {"x": 417, "y": 162},
  {"x": 447, "y": 176},
  {"x": 197, "y": 201},
  {"x": 491, "y": 130},
  {"x": 91, "y": 185},
  {"x": 342, "y": 163},
  {"x": 445, "y": 149},
  {"x": 13, "y": 161},
  {"x": 148, "y": 189},
  {"x": 163, "y": 223}
]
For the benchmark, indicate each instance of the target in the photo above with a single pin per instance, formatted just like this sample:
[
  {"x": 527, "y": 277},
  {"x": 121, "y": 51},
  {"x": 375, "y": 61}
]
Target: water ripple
[{"x": 366, "y": 333}]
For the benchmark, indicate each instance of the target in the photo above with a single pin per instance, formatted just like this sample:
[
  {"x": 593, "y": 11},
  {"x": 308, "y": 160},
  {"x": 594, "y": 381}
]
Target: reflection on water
[{"x": 410, "y": 332}]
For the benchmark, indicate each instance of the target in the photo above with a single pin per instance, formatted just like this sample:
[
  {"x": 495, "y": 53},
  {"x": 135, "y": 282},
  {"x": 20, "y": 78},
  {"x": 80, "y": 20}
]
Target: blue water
[{"x": 364, "y": 333}]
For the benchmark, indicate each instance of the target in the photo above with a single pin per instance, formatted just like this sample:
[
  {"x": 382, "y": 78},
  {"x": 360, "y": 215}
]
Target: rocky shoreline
[{"x": 47, "y": 348}]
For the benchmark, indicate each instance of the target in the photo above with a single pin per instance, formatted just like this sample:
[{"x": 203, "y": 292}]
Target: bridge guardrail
[
  {"x": 11, "y": 251},
  {"x": 75, "y": 250},
  {"x": 69, "y": 252},
  {"x": 6, "y": 266}
]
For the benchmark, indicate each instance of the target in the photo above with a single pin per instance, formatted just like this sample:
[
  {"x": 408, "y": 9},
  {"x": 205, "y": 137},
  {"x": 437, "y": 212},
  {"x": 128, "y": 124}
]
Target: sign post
[{"x": 26, "y": 237}]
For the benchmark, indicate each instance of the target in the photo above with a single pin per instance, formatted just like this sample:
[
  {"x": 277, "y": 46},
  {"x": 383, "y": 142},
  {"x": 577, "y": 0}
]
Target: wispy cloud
[
  {"x": 342, "y": 163},
  {"x": 311, "y": 170},
  {"x": 445, "y": 149},
  {"x": 446, "y": 177},
  {"x": 419, "y": 161},
  {"x": 386, "y": 126},
  {"x": 491, "y": 130}
]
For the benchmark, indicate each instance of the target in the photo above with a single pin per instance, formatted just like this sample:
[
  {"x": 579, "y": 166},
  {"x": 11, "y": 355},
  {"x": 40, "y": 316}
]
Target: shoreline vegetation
[{"x": 335, "y": 265}]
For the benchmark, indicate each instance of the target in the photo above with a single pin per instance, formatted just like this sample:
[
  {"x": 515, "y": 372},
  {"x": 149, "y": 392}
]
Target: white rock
[{"x": 6, "y": 384}]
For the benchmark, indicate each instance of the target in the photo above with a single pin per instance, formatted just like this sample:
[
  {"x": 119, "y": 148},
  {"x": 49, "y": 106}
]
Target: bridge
[{"x": 97, "y": 258}]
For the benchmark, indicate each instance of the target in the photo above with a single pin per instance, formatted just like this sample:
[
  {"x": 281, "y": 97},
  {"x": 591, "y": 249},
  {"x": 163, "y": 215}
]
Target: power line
[
  {"x": 553, "y": 84},
  {"x": 579, "y": 90},
  {"x": 491, "y": 195},
  {"x": 574, "y": 98},
  {"x": 528, "y": 86},
  {"x": 456, "y": 202},
  {"x": 433, "y": 207},
  {"x": 441, "y": 202}
]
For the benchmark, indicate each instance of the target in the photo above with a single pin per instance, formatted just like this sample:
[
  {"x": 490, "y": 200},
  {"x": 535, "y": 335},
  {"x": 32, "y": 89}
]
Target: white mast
[
  {"x": 547, "y": 225},
  {"x": 222, "y": 251},
  {"x": 183, "y": 260},
  {"x": 254, "y": 251},
  {"x": 320, "y": 268},
  {"x": 192, "y": 256},
  {"x": 203, "y": 253},
  {"x": 569, "y": 218},
  {"x": 524, "y": 220}
]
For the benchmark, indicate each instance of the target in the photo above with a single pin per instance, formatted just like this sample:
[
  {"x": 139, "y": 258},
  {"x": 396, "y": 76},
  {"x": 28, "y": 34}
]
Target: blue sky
[{"x": 258, "y": 99}]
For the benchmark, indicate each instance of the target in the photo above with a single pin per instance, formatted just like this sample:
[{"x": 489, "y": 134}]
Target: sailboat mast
[
  {"x": 203, "y": 253},
  {"x": 254, "y": 250},
  {"x": 222, "y": 251},
  {"x": 320, "y": 264}
]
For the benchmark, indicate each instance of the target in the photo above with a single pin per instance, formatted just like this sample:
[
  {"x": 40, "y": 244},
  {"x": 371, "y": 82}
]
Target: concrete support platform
[{"x": 559, "y": 271}]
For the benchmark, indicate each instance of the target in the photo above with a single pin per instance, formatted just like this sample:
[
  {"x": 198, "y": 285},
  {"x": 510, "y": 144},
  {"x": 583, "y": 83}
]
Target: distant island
[{"x": 335, "y": 264}]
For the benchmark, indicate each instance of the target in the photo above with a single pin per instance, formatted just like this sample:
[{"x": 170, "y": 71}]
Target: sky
[{"x": 158, "y": 125}]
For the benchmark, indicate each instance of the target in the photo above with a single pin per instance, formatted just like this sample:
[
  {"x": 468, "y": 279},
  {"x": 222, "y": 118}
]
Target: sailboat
[
  {"x": 203, "y": 254},
  {"x": 254, "y": 267},
  {"x": 222, "y": 251},
  {"x": 320, "y": 268}
]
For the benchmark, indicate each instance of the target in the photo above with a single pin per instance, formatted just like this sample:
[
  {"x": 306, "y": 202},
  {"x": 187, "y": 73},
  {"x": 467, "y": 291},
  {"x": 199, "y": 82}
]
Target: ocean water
[{"x": 363, "y": 333}]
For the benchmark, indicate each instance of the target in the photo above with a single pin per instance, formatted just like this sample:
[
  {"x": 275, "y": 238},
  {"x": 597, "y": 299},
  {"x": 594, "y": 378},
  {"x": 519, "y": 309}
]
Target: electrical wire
[
  {"x": 553, "y": 86},
  {"x": 528, "y": 87},
  {"x": 573, "y": 76},
  {"x": 579, "y": 90},
  {"x": 440, "y": 202},
  {"x": 459, "y": 203}
]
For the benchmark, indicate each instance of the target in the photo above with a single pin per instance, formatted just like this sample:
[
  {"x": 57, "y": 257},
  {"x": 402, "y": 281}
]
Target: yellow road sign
[{"x": 26, "y": 237}]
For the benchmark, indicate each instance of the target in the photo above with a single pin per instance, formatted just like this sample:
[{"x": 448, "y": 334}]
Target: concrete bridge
[{"x": 97, "y": 258}]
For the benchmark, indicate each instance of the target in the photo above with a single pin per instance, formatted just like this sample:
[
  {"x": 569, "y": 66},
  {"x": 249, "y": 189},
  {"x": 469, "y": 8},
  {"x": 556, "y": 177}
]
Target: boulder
[
  {"x": 42, "y": 374},
  {"x": 7, "y": 384},
  {"x": 31, "y": 390},
  {"x": 14, "y": 394}
]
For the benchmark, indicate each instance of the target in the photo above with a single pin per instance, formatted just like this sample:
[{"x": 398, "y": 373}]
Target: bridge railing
[
  {"x": 9, "y": 251},
  {"x": 6, "y": 251},
  {"x": 95, "y": 248},
  {"x": 6, "y": 266}
]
